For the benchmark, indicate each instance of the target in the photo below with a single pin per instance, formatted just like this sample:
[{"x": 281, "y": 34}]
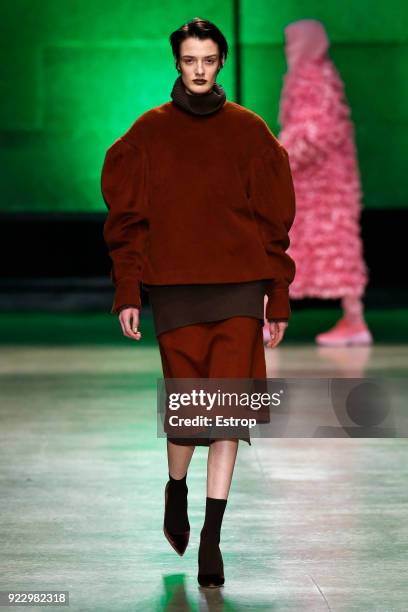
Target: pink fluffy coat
[{"x": 318, "y": 134}]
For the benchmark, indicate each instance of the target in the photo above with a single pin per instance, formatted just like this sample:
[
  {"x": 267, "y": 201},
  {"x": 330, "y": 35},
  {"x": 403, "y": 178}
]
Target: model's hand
[
  {"x": 277, "y": 330},
  {"x": 130, "y": 328}
]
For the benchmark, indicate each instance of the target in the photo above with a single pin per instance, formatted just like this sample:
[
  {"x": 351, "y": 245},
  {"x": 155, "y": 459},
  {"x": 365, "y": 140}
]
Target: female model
[
  {"x": 201, "y": 200},
  {"x": 318, "y": 134}
]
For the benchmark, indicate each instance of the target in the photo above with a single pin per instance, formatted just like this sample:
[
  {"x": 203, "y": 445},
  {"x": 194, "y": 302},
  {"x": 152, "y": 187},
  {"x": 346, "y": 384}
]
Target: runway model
[
  {"x": 318, "y": 134},
  {"x": 201, "y": 200}
]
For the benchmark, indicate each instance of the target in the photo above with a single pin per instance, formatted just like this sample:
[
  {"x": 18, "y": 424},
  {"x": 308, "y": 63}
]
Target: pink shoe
[{"x": 345, "y": 334}]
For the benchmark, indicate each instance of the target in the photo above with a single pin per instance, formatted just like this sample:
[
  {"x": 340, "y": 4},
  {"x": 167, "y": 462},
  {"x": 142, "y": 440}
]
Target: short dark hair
[{"x": 198, "y": 28}]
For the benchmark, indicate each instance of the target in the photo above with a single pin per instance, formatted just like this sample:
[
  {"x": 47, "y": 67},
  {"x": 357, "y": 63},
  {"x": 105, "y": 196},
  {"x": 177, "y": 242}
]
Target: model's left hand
[{"x": 277, "y": 330}]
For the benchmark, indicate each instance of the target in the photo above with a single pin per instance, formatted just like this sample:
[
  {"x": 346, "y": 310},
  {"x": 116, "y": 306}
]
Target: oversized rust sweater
[{"x": 199, "y": 200}]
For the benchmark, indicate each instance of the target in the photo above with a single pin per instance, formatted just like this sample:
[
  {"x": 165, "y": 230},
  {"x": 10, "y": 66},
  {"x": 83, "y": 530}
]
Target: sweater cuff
[
  {"x": 127, "y": 291},
  {"x": 278, "y": 306}
]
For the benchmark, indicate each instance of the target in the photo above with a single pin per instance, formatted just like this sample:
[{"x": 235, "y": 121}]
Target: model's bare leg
[
  {"x": 178, "y": 459},
  {"x": 220, "y": 467},
  {"x": 353, "y": 309}
]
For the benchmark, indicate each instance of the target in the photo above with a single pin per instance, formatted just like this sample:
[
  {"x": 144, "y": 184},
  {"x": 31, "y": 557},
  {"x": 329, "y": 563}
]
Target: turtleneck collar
[{"x": 198, "y": 104}]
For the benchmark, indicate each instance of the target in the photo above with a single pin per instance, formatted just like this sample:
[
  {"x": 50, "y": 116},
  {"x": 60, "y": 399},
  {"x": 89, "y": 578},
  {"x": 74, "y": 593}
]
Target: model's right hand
[
  {"x": 129, "y": 321},
  {"x": 277, "y": 331}
]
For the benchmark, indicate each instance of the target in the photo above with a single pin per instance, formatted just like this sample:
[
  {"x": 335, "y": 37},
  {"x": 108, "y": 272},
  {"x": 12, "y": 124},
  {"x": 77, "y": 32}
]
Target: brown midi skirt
[{"x": 231, "y": 348}]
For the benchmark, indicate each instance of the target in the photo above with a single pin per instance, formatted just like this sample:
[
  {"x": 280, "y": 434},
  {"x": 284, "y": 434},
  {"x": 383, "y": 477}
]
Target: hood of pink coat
[{"x": 306, "y": 40}]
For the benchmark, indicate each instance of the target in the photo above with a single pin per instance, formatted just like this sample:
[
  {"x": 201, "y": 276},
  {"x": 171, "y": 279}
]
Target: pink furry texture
[{"x": 318, "y": 134}]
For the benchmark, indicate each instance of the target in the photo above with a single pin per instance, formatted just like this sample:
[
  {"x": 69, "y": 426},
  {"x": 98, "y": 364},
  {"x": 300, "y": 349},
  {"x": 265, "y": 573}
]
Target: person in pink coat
[{"x": 318, "y": 134}]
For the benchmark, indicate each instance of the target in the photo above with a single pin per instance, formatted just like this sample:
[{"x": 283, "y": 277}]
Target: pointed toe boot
[
  {"x": 210, "y": 565},
  {"x": 178, "y": 541}
]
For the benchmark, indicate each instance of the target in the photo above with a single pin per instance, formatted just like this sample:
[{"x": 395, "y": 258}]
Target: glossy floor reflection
[{"x": 310, "y": 524}]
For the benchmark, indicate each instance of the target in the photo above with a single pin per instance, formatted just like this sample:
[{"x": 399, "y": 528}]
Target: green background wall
[{"x": 74, "y": 75}]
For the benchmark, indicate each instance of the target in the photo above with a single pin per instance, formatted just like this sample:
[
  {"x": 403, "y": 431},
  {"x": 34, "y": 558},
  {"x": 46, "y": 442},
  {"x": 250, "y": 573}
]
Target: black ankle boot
[
  {"x": 210, "y": 562},
  {"x": 176, "y": 526}
]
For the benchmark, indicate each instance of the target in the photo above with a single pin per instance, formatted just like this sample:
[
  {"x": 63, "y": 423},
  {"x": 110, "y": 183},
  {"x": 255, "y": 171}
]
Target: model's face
[{"x": 199, "y": 63}]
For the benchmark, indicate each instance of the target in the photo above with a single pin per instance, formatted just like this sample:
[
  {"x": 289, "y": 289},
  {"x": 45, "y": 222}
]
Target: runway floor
[{"x": 310, "y": 525}]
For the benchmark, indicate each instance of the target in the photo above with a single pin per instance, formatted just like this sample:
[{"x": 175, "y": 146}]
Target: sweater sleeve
[
  {"x": 123, "y": 186},
  {"x": 273, "y": 199}
]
